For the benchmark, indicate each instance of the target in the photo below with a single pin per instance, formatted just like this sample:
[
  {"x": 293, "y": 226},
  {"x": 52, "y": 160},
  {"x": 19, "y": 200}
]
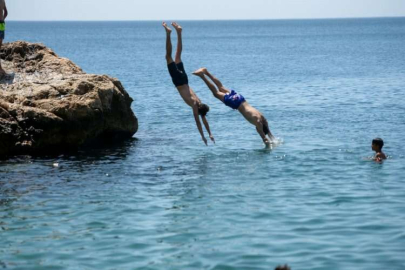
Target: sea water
[{"x": 166, "y": 201}]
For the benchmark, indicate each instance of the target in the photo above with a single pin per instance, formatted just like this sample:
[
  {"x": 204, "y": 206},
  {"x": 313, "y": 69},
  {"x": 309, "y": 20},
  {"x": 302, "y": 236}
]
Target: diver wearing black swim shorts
[
  {"x": 180, "y": 80},
  {"x": 178, "y": 74}
]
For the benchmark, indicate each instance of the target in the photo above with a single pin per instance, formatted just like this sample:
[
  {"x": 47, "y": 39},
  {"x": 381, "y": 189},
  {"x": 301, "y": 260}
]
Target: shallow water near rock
[{"x": 165, "y": 201}]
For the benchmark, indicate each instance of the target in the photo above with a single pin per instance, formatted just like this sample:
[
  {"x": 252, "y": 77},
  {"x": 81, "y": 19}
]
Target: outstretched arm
[
  {"x": 198, "y": 123},
  {"x": 207, "y": 127},
  {"x": 266, "y": 124},
  {"x": 259, "y": 128}
]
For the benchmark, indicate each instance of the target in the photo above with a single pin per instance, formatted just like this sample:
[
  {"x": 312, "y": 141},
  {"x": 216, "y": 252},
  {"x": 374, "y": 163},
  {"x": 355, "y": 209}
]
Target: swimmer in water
[
  {"x": 377, "y": 146},
  {"x": 237, "y": 102},
  {"x": 283, "y": 267},
  {"x": 180, "y": 80}
]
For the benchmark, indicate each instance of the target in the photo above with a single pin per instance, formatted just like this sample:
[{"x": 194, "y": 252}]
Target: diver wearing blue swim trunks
[
  {"x": 233, "y": 100},
  {"x": 237, "y": 102}
]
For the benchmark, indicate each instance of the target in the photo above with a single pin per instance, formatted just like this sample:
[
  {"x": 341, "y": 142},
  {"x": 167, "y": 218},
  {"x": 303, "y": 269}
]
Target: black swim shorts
[{"x": 178, "y": 74}]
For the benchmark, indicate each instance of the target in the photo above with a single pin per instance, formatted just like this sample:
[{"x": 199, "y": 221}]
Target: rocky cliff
[{"x": 48, "y": 104}]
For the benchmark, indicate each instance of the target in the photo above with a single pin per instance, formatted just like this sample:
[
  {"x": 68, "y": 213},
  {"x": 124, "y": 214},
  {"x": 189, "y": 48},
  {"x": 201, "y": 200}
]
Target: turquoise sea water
[{"x": 166, "y": 201}]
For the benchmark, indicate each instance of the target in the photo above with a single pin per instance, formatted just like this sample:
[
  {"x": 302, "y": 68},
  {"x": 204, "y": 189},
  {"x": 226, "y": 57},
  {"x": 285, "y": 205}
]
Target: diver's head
[
  {"x": 203, "y": 109},
  {"x": 377, "y": 144}
]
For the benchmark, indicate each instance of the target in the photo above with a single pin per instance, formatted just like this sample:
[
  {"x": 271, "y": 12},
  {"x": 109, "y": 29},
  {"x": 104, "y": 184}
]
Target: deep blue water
[{"x": 165, "y": 201}]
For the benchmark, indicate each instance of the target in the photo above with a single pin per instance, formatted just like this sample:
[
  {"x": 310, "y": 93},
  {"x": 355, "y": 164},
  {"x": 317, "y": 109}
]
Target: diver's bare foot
[
  {"x": 177, "y": 27},
  {"x": 168, "y": 30},
  {"x": 200, "y": 72}
]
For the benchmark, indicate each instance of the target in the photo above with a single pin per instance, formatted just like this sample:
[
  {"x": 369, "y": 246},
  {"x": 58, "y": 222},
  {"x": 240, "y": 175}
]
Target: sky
[{"x": 49, "y": 10}]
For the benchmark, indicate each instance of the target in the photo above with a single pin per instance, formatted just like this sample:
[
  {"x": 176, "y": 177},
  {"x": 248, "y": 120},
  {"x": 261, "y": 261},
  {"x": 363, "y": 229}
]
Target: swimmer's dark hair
[
  {"x": 283, "y": 267},
  {"x": 379, "y": 142},
  {"x": 203, "y": 109}
]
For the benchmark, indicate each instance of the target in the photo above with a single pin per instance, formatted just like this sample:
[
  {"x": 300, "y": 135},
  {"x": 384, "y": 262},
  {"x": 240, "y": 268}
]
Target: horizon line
[{"x": 191, "y": 20}]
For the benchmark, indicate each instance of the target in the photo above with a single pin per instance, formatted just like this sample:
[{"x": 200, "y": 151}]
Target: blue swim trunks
[{"x": 233, "y": 100}]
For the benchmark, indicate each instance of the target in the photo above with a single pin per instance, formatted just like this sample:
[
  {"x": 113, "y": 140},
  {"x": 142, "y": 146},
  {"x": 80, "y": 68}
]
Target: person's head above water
[
  {"x": 203, "y": 109},
  {"x": 377, "y": 144},
  {"x": 283, "y": 267}
]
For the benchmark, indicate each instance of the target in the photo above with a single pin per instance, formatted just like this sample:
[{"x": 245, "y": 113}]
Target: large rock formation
[{"x": 48, "y": 104}]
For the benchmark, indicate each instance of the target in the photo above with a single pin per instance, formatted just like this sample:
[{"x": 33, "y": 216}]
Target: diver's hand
[
  {"x": 205, "y": 141},
  {"x": 212, "y": 139}
]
